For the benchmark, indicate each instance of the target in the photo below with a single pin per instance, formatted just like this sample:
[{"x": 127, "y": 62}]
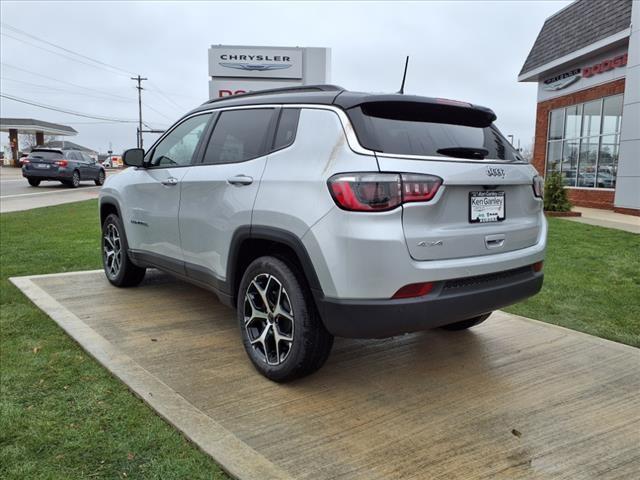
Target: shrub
[{"x": 555, "y": 196}]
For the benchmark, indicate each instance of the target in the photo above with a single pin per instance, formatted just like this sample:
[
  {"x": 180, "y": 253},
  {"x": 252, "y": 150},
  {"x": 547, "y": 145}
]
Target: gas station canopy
[
  {"x": 30, "y": 125},
  {"x": 17, "y": 126}
]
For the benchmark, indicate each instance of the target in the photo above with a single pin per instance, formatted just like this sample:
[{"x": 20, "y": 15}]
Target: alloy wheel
[
  {"x": 268, "y": 319},
  {"x": 112, "y": 248},
  {"x": 75, "y": 179}
]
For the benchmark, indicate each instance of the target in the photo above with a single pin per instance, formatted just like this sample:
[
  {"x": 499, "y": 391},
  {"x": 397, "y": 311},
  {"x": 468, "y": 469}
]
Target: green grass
[
  {"x": 591, "y": 283},
  {"x": 61, "y": 414}
]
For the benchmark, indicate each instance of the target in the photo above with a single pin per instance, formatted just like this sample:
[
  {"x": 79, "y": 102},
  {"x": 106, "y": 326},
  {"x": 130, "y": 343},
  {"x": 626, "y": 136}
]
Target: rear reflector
[
  {"x": 537, "y": 267},
  {"x": 414, "y": 290}
]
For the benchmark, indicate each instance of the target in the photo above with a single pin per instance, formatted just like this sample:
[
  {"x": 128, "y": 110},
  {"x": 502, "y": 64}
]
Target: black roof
[
  {"x": 331, "y": 95},
  {"x": 578, "y": 25}
]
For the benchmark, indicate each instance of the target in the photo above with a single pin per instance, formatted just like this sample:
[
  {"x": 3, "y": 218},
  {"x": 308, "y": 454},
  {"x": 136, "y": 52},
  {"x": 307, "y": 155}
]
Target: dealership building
[{"x": 586, "y": 62}]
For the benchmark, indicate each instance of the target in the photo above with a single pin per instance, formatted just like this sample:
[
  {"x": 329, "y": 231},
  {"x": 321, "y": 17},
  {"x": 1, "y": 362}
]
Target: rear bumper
[
  {"x": 47, "y": 174},
  {"x": 450, "y": 301}
]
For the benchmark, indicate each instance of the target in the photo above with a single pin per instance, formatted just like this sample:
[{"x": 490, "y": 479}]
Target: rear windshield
[
  {"x": 45, "y": 155},
  {"x": 422, "y": 137}
]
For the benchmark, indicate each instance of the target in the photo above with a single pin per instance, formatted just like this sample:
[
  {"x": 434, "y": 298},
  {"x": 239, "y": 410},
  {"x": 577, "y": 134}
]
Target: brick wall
[{"x": 580, "y": 197}]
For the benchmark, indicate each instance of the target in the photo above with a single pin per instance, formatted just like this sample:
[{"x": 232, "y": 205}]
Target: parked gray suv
[{"x": 316, "y": 211}]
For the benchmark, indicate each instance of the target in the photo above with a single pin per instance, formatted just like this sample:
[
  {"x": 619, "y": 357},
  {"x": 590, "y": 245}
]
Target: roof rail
[{"x": 271, "y": 91}]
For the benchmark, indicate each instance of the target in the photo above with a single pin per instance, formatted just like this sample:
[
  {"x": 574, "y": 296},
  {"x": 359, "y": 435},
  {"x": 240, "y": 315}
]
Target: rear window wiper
[{"x": 472, "y": 153}]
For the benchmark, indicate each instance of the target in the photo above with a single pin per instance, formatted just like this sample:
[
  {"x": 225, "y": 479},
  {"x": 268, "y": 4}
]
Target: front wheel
[
  {"x": 464, "y": 324},
  {"x": 34, "y": 182},
  {"x": 118, "y": 267},
  {"x": 281, "y": 330}
]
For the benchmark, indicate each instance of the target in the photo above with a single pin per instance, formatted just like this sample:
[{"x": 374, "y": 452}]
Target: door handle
[
  {"x": 170, "y": 181},
  {"x": 240, "y": 180}
]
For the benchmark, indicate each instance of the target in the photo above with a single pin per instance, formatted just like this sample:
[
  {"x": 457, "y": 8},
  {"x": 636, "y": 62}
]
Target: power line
[
  {"x": 68, "y": 57},
  {"x": 68, "y": 112},
  {"x": 65, "y": 90},
  {"x": 65, "y": 82},
  {"x": 26, "y": 34}
]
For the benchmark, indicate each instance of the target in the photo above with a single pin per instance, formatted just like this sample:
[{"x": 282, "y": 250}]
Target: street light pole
[{"x": 139, "y": 79}]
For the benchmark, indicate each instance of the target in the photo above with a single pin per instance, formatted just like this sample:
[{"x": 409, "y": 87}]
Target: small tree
[{"x": 555, "y": 196}]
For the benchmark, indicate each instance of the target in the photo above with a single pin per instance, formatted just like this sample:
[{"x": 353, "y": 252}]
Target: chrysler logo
[
  {"x": 260, "y": 67},
  {"x": 562, "y": 81}
]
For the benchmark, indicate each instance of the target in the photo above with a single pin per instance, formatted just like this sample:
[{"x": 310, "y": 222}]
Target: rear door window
[
  {"x": 240, "y": 135},
  {"x": 422, "y": 137}
]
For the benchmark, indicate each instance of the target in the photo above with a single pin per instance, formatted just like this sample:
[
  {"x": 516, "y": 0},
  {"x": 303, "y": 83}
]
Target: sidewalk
[
  {"x": 7, "y": 173},
  {"x": 607, "y": 218}
]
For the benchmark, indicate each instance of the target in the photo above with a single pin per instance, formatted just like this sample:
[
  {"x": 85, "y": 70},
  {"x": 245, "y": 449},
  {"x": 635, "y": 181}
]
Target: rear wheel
[
  {"x": 100, "y": 180},
  {"x": 34, "y": 182},
  {"x": 75, "y": 180},
  {"x": 281, "y": 330},
  {"x": 118, "y": 267},
  {"x": 464, "y": 324}
]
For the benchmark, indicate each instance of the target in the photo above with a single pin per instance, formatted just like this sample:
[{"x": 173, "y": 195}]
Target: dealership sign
[{"x": 563, "y": 80}]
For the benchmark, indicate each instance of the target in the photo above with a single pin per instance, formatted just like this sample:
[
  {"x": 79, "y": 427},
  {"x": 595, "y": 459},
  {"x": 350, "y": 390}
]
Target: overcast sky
[{"x": 463, "y": 50}]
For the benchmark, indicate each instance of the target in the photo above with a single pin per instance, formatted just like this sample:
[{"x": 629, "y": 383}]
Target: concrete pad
[{"x": 512, "y": 398}]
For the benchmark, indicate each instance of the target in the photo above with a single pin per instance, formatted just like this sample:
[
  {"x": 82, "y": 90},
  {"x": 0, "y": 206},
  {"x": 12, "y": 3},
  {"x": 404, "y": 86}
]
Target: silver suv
[{"x": 316, "y": 211}]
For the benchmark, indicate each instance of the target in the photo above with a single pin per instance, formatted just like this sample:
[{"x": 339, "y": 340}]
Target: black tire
[
  {"x": 464, "y": 324},
  {"x": 310, "y": 343},
  {"x": 75, "y": 180},
  {"x": 126, "y": 274},
  {"x": 34, "y": 182},
  {"x": 101, "y": 176}
]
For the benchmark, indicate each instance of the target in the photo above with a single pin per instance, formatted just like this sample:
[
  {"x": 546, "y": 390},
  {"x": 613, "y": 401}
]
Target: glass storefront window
[
  {"x": 572, "y": 121},
  {"x": 556, "y": 124},
  {"x": 588, "y": 159},
  {"x": 608, "y": 161},
  {"x": 591, "y": 121},
  {"x": 570, "y": 161},
  {"x": 612, "y": 113},
  {"x": 554, "y": 156},
  {"x": 583, "y": 142}
]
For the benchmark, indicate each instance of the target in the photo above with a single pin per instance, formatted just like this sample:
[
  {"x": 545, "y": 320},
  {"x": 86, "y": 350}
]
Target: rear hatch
[
  {"x": 44, "y": 159},
  {"x": 486, "y": 203}
]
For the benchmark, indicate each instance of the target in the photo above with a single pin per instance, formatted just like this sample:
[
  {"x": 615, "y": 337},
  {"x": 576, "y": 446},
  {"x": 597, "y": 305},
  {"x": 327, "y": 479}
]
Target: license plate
[
  {"x": 41, "y": 165},
  {"x": 486, "y": 207}
]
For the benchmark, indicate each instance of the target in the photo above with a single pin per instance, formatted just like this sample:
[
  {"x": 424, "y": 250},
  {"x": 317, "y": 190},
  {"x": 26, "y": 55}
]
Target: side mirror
[{"x": 134, "y": 157}]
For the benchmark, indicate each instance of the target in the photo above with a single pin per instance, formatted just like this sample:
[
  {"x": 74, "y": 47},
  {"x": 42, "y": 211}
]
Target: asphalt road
[{"x": 16, "y": 194}]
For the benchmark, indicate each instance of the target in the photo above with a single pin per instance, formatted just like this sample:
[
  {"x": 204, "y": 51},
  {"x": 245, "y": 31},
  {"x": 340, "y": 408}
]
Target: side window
[
  {"x": 73, "y": 156},
  {"x": 239, "y": 135},
  {"x": 287, "y": 126},
  {"x": 178, "y": 147},
  {"x": 86, "y": 157}
]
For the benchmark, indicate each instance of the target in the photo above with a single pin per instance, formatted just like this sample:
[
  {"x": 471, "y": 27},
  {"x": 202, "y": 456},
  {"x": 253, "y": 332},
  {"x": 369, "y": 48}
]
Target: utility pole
[{"x": 139, "y": 79}]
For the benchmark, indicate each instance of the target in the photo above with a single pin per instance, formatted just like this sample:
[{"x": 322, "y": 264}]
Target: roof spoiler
[{"x": 421, "y": 109}]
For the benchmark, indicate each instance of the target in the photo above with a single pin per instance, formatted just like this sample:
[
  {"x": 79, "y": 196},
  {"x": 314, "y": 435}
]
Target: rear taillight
[
  {"x": 537, "y": 267},
  {"x": 538, "y": 186},
  {"x": 379, "y": 192},
  {"x": 62, "y": 163},
  {"x": 24, "y": 161},
  {"x": 414, "y": 290}
]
